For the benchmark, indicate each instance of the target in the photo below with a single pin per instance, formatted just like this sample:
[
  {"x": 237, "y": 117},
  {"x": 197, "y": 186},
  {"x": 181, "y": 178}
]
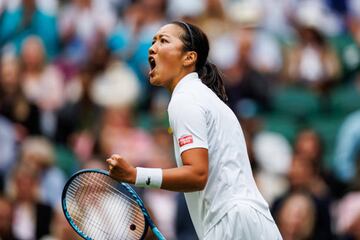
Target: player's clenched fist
[{"x": 121, "y": 170}]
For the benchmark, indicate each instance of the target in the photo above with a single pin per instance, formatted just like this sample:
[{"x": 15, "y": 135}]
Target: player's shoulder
[
  {"x": 181, "y": 98},
  {"x": 185, "y": 102}
]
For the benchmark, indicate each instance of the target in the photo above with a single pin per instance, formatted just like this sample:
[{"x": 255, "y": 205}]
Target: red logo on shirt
[{"x": 185, "y": 140}]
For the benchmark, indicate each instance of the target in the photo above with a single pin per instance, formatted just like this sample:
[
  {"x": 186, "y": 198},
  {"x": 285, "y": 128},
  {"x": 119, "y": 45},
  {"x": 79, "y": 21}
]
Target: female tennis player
[{"x": 213, "y": 166}]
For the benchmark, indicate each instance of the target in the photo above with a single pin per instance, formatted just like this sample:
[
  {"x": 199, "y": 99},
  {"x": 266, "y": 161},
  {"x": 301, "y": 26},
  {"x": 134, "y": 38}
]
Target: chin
[{"x": 154, "y": 81}]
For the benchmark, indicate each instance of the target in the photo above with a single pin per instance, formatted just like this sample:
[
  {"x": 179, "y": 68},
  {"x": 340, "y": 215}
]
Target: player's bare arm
[{"x": 192, "y": 176}]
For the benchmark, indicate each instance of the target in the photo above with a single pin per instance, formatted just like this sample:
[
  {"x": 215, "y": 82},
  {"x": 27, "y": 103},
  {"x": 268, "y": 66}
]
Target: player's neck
[{"x": 180, "y": 76}]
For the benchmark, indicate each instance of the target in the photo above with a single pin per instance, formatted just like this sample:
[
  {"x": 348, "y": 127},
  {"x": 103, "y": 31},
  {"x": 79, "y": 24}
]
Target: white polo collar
[{"x": 189, "y": 78}]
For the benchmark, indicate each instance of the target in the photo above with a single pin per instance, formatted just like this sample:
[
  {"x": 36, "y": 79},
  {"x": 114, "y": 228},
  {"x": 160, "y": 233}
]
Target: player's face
[{"x": 166, "y": 56}]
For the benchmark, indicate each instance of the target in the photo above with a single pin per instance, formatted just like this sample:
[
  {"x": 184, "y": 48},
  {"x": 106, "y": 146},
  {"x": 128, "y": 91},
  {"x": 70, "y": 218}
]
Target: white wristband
[{"x": 148, "y": 177}]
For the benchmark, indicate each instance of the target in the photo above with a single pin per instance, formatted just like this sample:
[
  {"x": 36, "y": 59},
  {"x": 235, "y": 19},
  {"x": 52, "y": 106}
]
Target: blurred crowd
[{"x": 74, "y": 90}]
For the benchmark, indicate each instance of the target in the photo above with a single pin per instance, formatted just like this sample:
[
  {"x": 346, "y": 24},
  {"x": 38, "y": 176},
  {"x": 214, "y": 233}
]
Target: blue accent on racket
[{"x": 98, "y": 207}]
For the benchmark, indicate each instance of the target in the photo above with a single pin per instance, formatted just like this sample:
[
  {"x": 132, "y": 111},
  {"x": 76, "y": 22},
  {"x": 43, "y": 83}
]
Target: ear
[{"x": 190, "y": 58}]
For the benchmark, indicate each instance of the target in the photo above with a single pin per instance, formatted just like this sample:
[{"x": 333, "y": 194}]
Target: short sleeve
[{"x": 188, "y": 122}]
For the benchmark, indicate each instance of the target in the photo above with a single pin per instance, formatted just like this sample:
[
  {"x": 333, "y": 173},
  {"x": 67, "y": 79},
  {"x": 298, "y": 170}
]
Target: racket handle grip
[{"x": 158, "y": 234}]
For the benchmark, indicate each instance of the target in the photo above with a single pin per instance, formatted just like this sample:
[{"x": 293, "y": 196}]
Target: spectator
[
  {"x": 303, "y": 174},
  {"x": 79, "y": 113},
  {"x": 214, "y": 20},
  {"x": 42, "y": 83},
  {"x": 309, "y": 145},
  {"x": 276, "y": 18},
  {"x": 347, "y": 148},
  {"x": 271, "y": 173},
  {"x": 82, "y": 23},
  {"x": 348, "y": 216},
  {"x": 13, "y": 104},
  {"x": 311, "y": 61},
  {"x": 186, "y": 9},
  {"x": 32, "y": 218},
  {"x": 251, "y": 60},
  {"x": 38, "y": 153},
  {"x": 304, "y": 177},
  {"x": 6, "y": 218},
  {"x": 296, "y": 217},
  {"x": 30, "y": 17},
  {"x": 117, "y": 134},
  {"x": 347, "y": 210},
  {"x": 60, "y": 229},
  {"x": 7, "y": 148},
  {"x": 117, "y": 86},
  {"x": 348, "y": 43}
]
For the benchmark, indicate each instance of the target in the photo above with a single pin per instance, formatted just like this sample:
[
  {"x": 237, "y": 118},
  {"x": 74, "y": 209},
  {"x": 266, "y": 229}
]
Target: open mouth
[{"x": 152, "y": 63}]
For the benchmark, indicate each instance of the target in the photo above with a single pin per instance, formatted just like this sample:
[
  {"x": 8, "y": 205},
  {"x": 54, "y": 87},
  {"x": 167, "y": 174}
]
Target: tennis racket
[{"x": 99, "y": 207}]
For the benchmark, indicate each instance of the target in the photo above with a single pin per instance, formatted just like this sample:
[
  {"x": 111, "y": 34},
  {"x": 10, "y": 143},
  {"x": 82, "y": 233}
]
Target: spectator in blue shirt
[{"x": 30, "y": 18}]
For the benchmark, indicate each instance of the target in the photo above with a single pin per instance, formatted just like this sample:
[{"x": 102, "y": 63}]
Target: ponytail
[
  {"x": 194, "y": 39},
  {"x": 213, "y": 78}
]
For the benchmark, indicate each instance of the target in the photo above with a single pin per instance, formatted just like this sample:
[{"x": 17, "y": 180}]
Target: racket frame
[{"x": 132, "y": 194}]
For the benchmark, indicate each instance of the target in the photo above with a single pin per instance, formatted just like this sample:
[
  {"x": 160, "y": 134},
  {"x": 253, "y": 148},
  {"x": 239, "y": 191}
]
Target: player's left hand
[{"x": 121, "y": 170}]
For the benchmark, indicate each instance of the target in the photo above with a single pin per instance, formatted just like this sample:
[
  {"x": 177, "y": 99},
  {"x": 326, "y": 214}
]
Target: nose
[{"x": 152, "y": 49}]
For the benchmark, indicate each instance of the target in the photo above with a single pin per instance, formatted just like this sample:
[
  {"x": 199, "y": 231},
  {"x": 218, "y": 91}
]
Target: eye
[{"x": 163, "y": 40}]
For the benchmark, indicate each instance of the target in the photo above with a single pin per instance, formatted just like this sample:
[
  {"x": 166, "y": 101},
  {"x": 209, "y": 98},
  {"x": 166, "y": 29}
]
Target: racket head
[{"x": 98, "y": 207}]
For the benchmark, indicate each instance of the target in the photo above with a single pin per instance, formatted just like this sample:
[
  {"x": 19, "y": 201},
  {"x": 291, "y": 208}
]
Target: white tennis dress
[{"x": 230, "y": 206}]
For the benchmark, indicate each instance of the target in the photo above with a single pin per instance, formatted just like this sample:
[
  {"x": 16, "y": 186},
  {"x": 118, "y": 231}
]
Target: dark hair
[{"x": 194, "y": 39}]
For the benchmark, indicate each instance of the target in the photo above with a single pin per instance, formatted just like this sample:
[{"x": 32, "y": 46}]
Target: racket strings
[
  {"x": 96, "y": 197},
  {"x": 123, "y": 217},
  {"x": 91, "y": 212},
  {"x": 139, "y": 219},
  {"x": 134, "y": 208},
  {"x": 94, "y": 191},
  {"x": 79, "y": 195},
  {"x": 84, "y": 217}
]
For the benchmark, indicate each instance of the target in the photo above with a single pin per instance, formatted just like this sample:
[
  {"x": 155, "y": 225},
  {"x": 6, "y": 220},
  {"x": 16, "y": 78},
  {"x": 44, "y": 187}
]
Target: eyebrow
[{"x": 160, "y": 35}]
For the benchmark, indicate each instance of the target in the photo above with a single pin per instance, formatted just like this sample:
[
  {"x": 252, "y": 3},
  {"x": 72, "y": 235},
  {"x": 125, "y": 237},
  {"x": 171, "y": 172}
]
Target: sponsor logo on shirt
[{"x": 185, "y": 140}]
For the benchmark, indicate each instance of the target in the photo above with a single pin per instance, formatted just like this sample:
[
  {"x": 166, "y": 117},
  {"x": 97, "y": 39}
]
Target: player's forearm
[
  {"x": 184, "y": 179},
  {"x": 188, "y": 178}
]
